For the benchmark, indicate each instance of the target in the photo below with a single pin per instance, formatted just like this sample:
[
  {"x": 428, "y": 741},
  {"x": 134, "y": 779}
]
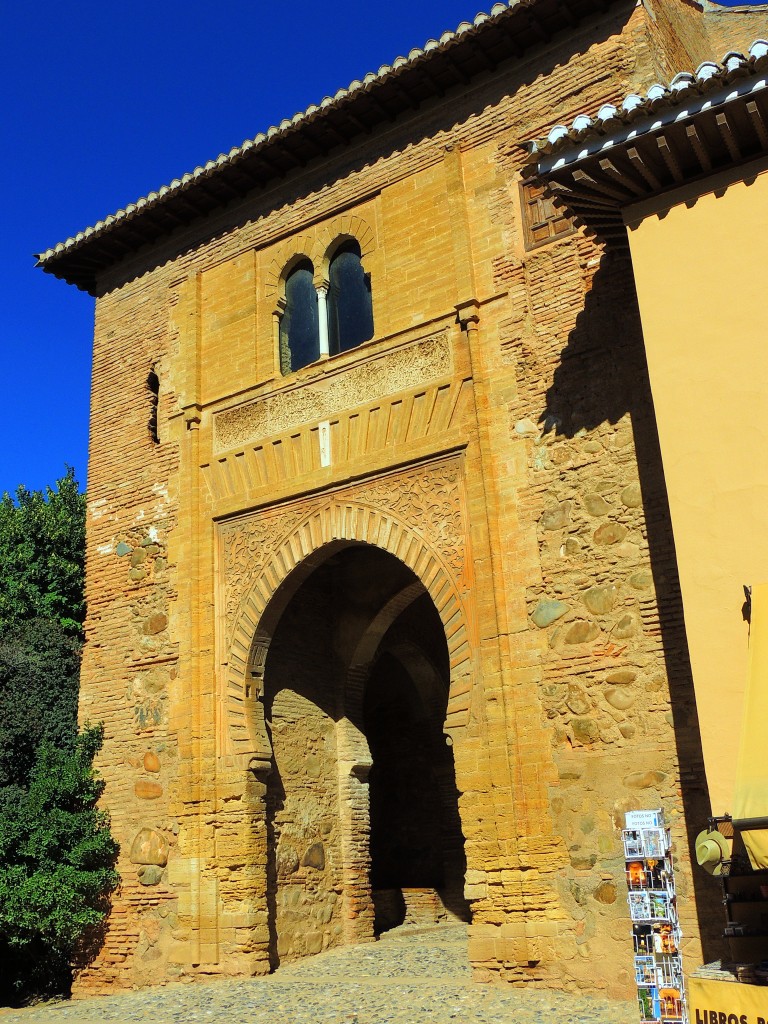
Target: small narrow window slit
[{"x": 153, "y": 387}]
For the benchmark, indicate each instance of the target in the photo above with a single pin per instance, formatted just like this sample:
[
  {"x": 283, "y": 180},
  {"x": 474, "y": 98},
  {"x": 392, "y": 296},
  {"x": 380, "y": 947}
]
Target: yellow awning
[{"x": 751, "y": 795}]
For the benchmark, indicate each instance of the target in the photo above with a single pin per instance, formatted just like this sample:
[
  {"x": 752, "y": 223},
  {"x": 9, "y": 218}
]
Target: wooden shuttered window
[{"x": 542, "y": 221}]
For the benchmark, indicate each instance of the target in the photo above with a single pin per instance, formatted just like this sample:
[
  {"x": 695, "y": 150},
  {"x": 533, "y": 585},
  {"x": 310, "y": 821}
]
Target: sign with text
[
  {"x": 644, "y": 819},
  {"x": 726, "y": 1002}
]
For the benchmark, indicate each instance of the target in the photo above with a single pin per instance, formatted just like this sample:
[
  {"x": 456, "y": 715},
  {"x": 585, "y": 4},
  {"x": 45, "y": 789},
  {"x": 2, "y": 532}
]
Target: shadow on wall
[
  {"x": 603, "y": 376},
  {"x": 275, "y": 804}
]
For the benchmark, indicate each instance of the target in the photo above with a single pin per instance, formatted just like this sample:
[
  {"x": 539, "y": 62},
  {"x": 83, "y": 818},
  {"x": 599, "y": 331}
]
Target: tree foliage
[
  {"x": 57, "y": 857},
  {"x": 39, "y": 678},
  {"x": 57, "y": 867},
  {"x": 42, "y": 555}
]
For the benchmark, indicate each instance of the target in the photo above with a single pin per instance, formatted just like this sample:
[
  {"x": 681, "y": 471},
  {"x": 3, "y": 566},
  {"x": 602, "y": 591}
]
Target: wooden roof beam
[
  {"x": 566, "y": 193},
  {"x": 598, "y": 186},
  {"x": 428, "y": 77},
  {"x": 512, "y": 42},
  {"x": 622, "y": 177},
  {"x": 274, "y": 168},
  {"x": 309, "y": 140},
  {"x": 456, "y": 68},
  {"x": 490, "y": 62},
  {"x": 410, "y": 101},
  {"x": 537, "y": 26},
  {"x": 669, "y": 158},
  {"x": 642, "y": 168},
  {"x": 757, "y": 122},
  {"x": 698, "y": 148},
  {"x": 599, "y": 217},
  {"x": 183, "y": 200},
  {"x": 230, "y": 192},
  {"x": 379, "y": 107},
  {"x": 728, "y": 137},
  {"x": 360, "y": 125}
]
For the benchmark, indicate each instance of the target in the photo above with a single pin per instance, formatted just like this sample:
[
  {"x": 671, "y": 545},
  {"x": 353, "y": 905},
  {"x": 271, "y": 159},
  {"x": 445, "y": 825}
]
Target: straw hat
[{"x": 711, "y": 851}]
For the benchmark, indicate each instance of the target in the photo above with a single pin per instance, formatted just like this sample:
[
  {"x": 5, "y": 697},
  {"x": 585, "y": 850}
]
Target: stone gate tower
[{"x": 383, "y": 618}]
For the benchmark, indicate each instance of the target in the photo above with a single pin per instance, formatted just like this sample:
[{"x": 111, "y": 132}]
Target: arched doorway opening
[{"x": 363, "y": 829}]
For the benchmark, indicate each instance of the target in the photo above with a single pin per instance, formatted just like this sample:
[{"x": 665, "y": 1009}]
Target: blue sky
[{"x": 104, "y": 102}]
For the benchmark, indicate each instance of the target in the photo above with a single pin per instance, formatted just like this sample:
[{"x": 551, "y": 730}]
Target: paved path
[{"x": 410, "y": 977}]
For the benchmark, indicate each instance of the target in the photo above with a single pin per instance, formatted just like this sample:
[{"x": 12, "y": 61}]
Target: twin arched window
[{"x": 323, "y": 321}]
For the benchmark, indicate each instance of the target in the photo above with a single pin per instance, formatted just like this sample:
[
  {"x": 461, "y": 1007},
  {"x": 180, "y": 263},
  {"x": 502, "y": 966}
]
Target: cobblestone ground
[{"x": 409, "y": 977}]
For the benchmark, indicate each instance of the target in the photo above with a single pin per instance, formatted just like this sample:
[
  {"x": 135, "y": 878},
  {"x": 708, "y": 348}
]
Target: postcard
[
  {"x": 665, "y": 939},
  {"x": 654, "y": 842},
  {"x": 660, "y": 905},
  {"x": 639, "y": 906},
  {"x": 645, "y": 970},
  {"x": 643, "y": 936},
  {"x": 650, "y": 1007},
  {"x": 633, "y": 843}
]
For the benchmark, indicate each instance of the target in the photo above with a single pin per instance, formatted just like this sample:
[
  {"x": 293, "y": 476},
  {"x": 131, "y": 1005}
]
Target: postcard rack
[{"x": 655, "y": 926}]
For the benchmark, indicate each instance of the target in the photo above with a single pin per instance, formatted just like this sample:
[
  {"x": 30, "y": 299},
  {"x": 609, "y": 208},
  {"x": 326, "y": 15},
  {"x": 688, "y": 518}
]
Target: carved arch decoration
[
  {"x": 318, "y": 247},
  {"x": 343, "y": 229},
  {"x": 294, "y": 249},
  {"x": 286, "y": 550}
]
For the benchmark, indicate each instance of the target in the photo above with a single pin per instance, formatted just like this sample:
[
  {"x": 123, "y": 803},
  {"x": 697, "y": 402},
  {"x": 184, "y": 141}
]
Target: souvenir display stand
[{"x": 655, "y": 926}]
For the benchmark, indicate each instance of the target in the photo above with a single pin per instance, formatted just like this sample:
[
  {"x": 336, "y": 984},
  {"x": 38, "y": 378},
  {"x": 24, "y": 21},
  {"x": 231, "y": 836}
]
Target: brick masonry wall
[{"x": 571, "y": 696}]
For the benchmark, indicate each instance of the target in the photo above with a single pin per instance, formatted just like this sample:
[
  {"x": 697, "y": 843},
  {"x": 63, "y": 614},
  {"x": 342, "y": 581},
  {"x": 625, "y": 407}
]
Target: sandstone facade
[{"x": 421, "y": 593}]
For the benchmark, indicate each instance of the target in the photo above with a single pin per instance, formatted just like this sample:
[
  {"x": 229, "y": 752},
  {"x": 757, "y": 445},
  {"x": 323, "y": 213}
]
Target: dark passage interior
[
  {"x": 359, "y": 652},
  {"x": 416, "y": 846}
]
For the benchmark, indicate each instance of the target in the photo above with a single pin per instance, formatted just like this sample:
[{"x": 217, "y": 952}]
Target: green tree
[
  {"x": 57, "y": 857},
  {"x": 39, "y": 680},
  {"x": 42, "y": 555},
  {"x": 57, "y": 868}
]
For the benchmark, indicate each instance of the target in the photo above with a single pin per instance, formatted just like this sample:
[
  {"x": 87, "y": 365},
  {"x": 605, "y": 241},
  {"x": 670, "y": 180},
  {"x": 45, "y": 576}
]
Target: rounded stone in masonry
[
  {"x": 625, "y": 627},
  {"x": 645, "y": 780},
  {"x": 596, "y": 505},
  {"x": 155, "y": 623},
  {"x": 149, "y": 847},
  {"x": 619, "y": 697},
  {"x": 287, "y": 860},
  {"x": 632, "y": 496},
  {"x": 641, "y": 580},
  {"x": 577, "y": 700},
  {"x": 605, "y": 893},
  {"x": 314, "y": 857},
  {"x": 548, "y": 611},
  {"x": 557, "y": 517},
  {"x": 571, "y": 546},
  {"x": 150, "y": 874},
  {"x": 621, "y": 676},
  {"x": 581, "y": 632},
  {"x": 146, "y": 789},
  {"x": 600, "y": 600},
  {"x": 585, "y": 730},
  {"x": 610, "y": 533}
]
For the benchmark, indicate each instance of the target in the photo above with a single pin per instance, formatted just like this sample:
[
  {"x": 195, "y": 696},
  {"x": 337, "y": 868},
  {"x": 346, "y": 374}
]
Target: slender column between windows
[{"x": 322, "y": 314}]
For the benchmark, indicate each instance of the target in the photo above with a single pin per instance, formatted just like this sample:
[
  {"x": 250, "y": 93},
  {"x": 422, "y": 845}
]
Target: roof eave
[
  {"x": 507, "y": 32},
  {"x": 679, "y": 138}
]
